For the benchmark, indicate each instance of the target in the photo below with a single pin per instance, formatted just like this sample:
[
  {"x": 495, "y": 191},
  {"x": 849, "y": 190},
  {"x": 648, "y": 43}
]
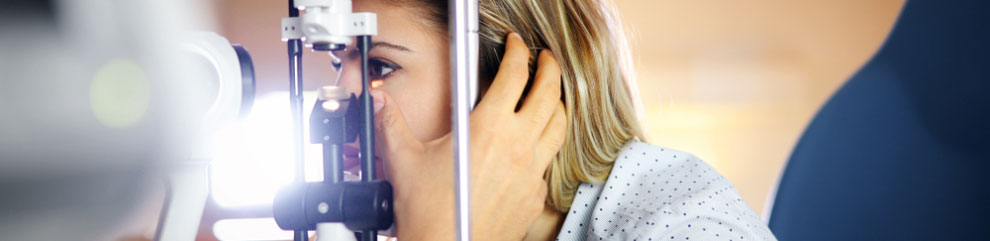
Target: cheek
[{"x": 425, "y": 103}]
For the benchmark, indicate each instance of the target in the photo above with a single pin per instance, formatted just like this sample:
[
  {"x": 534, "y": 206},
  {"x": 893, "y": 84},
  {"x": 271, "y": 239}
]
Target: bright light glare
[
  {"x": 250, "y": 229},
  {"x": 253, "y": 157},
  {"x": 331, "y": 105},
  {"x": 260, "y": 229}
]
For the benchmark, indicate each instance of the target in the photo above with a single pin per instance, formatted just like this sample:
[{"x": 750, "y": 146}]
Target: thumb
[{"x": 390, "y": 125}]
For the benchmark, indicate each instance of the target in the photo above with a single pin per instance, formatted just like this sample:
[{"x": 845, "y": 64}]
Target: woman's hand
[{"x": 510, "y": 152}]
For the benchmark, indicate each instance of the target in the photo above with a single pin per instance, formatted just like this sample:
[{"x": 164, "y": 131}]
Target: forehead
[{"x": 397, "y": 23}]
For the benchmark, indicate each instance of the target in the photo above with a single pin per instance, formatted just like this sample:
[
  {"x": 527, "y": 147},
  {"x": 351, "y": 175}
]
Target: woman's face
[{"x": 408, "y": 61}]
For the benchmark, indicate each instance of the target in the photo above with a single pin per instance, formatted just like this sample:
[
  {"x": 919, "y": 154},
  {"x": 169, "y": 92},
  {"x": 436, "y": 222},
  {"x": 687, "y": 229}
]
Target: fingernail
[
  {"x": 378, "y": 99},
  {"x": 515, "y": 35}
]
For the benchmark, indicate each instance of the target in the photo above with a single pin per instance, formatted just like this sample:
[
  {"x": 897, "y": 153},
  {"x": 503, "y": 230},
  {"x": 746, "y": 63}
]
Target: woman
[{"x": 555, "y": 144}]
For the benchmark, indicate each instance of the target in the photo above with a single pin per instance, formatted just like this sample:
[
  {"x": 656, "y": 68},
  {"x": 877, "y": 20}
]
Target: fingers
[
  {"x": 390, "y": 126},
  {"x": 545, "y": 94},
  {"x": 513, "y": 73},
  {"x": 551, "y": 139}
]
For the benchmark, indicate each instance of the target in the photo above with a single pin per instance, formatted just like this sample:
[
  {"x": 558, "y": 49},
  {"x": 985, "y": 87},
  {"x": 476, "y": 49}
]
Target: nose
[{"x": 349, "y": 76}]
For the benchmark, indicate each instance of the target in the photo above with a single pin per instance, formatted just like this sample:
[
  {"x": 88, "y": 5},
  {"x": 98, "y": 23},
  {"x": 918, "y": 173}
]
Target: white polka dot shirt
[{"x": 654, "y": 193}]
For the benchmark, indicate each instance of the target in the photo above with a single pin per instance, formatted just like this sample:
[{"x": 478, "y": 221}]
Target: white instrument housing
[{"x": 328, "y": 22}]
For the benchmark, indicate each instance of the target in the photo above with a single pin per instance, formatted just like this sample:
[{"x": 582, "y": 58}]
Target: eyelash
[
  {"x": 377, "y": 66},
  {"x": 374, "y": 64}
]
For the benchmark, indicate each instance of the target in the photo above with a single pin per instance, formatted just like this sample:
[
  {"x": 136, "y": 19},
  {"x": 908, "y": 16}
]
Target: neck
[{"x": 546, "y": 226}]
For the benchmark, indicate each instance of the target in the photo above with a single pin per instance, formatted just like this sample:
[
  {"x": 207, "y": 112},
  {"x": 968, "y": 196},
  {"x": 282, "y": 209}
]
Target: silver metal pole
[
  {"x": 294, "y": 48},
  {"x": 464, "y": 59}
]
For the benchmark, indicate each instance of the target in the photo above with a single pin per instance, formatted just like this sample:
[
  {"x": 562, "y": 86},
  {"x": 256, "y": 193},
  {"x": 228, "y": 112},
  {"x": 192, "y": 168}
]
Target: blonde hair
[{"x": 599, "y": 94}]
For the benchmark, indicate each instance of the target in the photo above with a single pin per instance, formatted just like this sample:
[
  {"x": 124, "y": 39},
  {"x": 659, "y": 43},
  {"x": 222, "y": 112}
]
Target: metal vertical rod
[
  {"x": 294, "y": 48},
  {"x": 367, "y": 114},
  {"x": 295, "y": 104},
  {"x": 367, "y": 125},
  {"x": 333, "y": 166},
  {"x": 464, "y": 59}
]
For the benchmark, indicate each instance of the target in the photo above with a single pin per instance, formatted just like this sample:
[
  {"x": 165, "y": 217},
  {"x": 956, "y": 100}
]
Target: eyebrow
[{"x": 375, "y": 44}]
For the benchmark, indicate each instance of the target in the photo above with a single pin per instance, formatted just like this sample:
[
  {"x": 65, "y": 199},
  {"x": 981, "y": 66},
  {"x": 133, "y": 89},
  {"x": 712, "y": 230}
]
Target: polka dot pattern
[{"x": 654, "y": 193}]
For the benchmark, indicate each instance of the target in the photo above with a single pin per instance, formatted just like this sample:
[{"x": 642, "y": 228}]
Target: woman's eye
[{"x": 380, "y": 69}]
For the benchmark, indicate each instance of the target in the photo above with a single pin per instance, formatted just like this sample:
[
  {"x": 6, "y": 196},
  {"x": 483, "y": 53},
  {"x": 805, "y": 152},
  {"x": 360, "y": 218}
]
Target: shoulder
[
  {"x": 657, "y": 192},
  {"x": 642, "y": 154},
  {"x": 644, "y": 165}
]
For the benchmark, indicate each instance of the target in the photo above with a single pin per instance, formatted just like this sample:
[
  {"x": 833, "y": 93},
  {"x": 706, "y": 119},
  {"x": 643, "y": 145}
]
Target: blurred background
[{"x": 734, "y": 82}]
